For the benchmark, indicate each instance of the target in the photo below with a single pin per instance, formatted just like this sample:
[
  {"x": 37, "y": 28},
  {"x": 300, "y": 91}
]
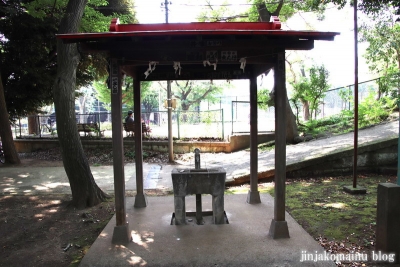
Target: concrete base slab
[
  {"x": 242, "y": 242},
  {"x": 207, "y": 218},
  {"x": 354, "y": 191},
  {"x": 253, "y": 197},
  {"x": 279, "y": 229},
  {"x": 121, "y": 235}
]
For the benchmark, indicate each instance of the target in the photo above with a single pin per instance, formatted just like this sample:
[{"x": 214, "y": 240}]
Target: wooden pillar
[
  {"x": 121, "y": 233},
  {"x": 279, "y": 228},
  {"x": 140, "y": 199},
  {"x": 253, "y": 195}
]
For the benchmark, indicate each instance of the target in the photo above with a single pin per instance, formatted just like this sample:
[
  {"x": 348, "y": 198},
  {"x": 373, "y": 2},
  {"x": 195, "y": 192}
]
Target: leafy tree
[
  {"x": 262, "y": 10},
  {"x": 85, "y": 192},
  {"x": 150, "y": 98},
  {"x": 371, "y": 111},
  {"x": 311, "y": 90},
  {"x": 264, "y": 99},
  {"x": 27, "y": 59},
  {"x": 367, "y": 6},
  {"x": 389, "y": 84},
  {"x": 28, "y": 53},
  {"x": 383, "y": 52},
  {"x": 298, "y": 97},
  {"x": 191, "y": 93},
  {"x": 103, "y": 93}
]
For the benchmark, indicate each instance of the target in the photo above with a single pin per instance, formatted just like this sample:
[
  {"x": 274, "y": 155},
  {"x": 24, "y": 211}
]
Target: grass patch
[{"x": 328, "y": 213}]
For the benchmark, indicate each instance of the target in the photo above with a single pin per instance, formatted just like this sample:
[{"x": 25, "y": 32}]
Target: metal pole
[
  {"x": 177, "y": 122},
  {"x": 169, "y": 107},
  {"x": 355, "y": 96},
  {"x": 170, "y": 141},
  {"x": 232, "y": 118},
  {"x": 223, "y": 130},
  {"x": 166, "y": 10}
]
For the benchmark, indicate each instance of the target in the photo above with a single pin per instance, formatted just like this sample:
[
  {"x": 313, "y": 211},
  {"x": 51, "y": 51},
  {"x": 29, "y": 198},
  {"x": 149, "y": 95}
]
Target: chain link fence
[
  {"x": 185, "y": 124},
  {"x": 240, "y": 118},
  {"x": 228, "y": 115},
  {"x": 338, "y": 99}
]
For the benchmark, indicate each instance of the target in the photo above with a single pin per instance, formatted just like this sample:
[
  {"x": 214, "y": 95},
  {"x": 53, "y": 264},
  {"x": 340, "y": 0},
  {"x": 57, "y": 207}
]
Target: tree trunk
[
  {"x": 291, "y": 126},
  {"x": 85, "y": 192},
  {"x": 33, "y": 124},
  {"x": 306, "y": 110},
  {"x": 10, "y": 152}
]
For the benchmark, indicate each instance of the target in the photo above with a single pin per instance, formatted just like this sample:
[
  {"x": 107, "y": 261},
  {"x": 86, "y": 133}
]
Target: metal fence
[
  {"x": 229, "y": 115},
  {"x": 334, "y": 102},
  {"x": 188, "y": 124},
  {"x": 240, "y": 118}
]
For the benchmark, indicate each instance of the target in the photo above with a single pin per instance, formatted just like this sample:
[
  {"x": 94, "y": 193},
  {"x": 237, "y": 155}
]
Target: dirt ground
[{"x": 44, "y": 230}]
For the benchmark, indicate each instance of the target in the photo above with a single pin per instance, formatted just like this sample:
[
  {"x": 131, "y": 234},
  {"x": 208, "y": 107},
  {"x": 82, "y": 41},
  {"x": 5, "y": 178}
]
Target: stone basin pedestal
[{"x": 199, "y": 181}]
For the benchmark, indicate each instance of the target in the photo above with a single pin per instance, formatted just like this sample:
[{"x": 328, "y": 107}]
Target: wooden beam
[
  {"x": 185, "y": 51},
  {"x": 195, "y": 72},
  {"x": 140, "y": 199},
  {"x": 253, "y": 196},
  {"x": 121, "y": 231},
  {"x": 279, "y": 228}
]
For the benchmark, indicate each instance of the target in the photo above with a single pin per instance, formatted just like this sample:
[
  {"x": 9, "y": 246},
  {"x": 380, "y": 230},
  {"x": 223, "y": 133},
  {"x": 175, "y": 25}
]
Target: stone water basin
[{"x": 199, "y": 181}]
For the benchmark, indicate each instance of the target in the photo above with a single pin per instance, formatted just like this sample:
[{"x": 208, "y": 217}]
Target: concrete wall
[
  {"x": 236, "y": 143},
  {"x": 373, "y": 157}
]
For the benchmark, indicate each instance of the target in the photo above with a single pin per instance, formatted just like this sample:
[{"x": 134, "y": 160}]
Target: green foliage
[
  {"x": 372, "y": 111},
  {"x": 324, "y": 210},
  {"x": 104, "y": 95},
  {"x": 130, "y": 154},
  {"x": 383, "y": 52},
  {"x": 106, "y": 126},
  {"x": 335, "y": 125},
  {"x": 150, "y": 97},
  {"x": 258, "y": 9},
  {"x": 207, "y": 117},
  {"x": 390, "y": 83},
  {"x": 27, "y": 59},
  {"x": 264, "y": 99},
  {"x": 346, "y": 95},
  {"x": 311, "y": 90},
  {"x": 102, "y": 92},
  {"x": 28, "y": 51},
  {"x": 93, "y": 19},
  {"x": 191, "y": 93}
]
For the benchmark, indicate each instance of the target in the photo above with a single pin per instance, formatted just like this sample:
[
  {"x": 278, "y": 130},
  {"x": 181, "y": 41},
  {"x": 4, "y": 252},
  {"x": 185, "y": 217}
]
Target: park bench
[
  {"x": 130, "y": 129},
  {"x": 89, "y": 128}
]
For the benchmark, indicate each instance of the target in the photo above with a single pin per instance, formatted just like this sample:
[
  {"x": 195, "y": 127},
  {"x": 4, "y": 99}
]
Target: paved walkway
[{"x": 44, "y": 180}]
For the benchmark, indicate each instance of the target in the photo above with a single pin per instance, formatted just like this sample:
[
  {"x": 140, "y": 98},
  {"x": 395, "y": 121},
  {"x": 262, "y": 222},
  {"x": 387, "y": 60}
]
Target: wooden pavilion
[{"x": 197, "y": 51}]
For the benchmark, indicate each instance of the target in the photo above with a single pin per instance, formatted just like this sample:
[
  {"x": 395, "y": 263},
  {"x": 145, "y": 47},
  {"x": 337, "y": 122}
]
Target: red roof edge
[{"x": 275, "y": 24}]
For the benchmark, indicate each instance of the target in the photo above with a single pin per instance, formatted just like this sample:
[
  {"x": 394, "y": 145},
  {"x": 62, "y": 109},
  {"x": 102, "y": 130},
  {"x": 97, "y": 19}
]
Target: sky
[{"x": 337, "y": 55}]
